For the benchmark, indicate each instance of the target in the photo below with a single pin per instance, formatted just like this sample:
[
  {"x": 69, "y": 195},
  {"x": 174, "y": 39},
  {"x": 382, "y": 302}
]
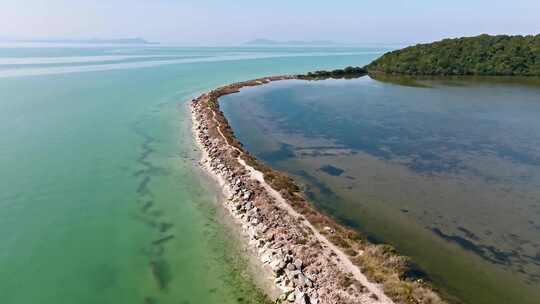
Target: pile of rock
[{"x": 305, "y": 270}]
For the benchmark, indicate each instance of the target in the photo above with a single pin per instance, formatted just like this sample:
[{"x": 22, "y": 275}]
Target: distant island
[
  {"x": 269, "y": 42},
  {"x": 483, "y": 55},
  {"x": 86, "y": 41}
]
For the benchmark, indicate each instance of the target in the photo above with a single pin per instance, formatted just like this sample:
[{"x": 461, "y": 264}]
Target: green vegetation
[
  {"x": 481, "y": 55},
  {"x": 348, "y": 72}
]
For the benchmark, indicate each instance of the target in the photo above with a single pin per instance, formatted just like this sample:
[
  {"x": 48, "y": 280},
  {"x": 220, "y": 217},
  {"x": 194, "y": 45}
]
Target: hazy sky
[{"x": 226, "y": 22}]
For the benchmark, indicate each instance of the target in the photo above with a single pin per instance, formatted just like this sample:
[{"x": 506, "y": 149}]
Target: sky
[{"x": 232, "y": 22}]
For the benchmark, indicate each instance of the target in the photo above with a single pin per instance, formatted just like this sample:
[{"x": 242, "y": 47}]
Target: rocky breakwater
[
  {"x": 313, "y": 258},
  {"x": 305, "y": 267}
]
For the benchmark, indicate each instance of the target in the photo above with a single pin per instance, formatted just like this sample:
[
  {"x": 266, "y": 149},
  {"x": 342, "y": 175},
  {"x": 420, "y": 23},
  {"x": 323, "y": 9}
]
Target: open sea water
[{"x": 101, "y": 199}]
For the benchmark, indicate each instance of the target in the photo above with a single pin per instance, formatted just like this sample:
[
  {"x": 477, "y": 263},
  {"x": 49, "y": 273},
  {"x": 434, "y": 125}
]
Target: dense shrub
[
  {"x": 348, "y": 72},
  {"x": 480, "y": 55}
]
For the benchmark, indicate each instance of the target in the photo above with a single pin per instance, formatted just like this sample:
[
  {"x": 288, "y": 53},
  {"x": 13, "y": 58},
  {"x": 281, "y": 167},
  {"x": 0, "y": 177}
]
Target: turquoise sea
[{"x": 101, "y": 200}]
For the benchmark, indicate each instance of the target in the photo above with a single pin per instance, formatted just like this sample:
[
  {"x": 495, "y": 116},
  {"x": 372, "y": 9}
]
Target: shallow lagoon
[{"x": 446, "y": 170}]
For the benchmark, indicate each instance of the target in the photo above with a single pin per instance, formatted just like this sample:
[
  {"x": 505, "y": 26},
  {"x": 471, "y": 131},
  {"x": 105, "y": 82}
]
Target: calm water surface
[
  {"x": 448, "y": 171},
  {"x": 101, "y": 200}
]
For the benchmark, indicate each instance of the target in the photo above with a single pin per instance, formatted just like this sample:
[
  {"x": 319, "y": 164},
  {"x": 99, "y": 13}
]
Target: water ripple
[{"x": 20, "y": 72}]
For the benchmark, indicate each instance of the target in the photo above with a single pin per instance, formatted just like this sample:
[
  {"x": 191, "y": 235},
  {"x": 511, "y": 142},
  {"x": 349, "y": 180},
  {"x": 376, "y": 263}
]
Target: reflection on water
[{"x": 447, "y": 170}]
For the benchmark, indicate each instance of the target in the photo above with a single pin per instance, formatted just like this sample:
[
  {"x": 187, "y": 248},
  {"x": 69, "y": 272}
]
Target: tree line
[{"x": 499, "y": 55}]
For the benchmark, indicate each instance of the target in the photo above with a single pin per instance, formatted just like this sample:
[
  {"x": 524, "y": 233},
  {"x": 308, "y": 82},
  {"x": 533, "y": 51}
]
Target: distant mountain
[
  {"x": 290, "y": 42},
  {"x": 85, "y": 41}
]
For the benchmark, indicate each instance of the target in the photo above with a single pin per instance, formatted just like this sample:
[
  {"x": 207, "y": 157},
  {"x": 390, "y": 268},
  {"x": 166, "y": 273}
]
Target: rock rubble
[{"x": 306, "y": 270}]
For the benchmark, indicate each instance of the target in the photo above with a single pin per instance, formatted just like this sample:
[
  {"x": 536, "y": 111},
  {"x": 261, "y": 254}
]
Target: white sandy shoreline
[{"x": 262, "y": 275}]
